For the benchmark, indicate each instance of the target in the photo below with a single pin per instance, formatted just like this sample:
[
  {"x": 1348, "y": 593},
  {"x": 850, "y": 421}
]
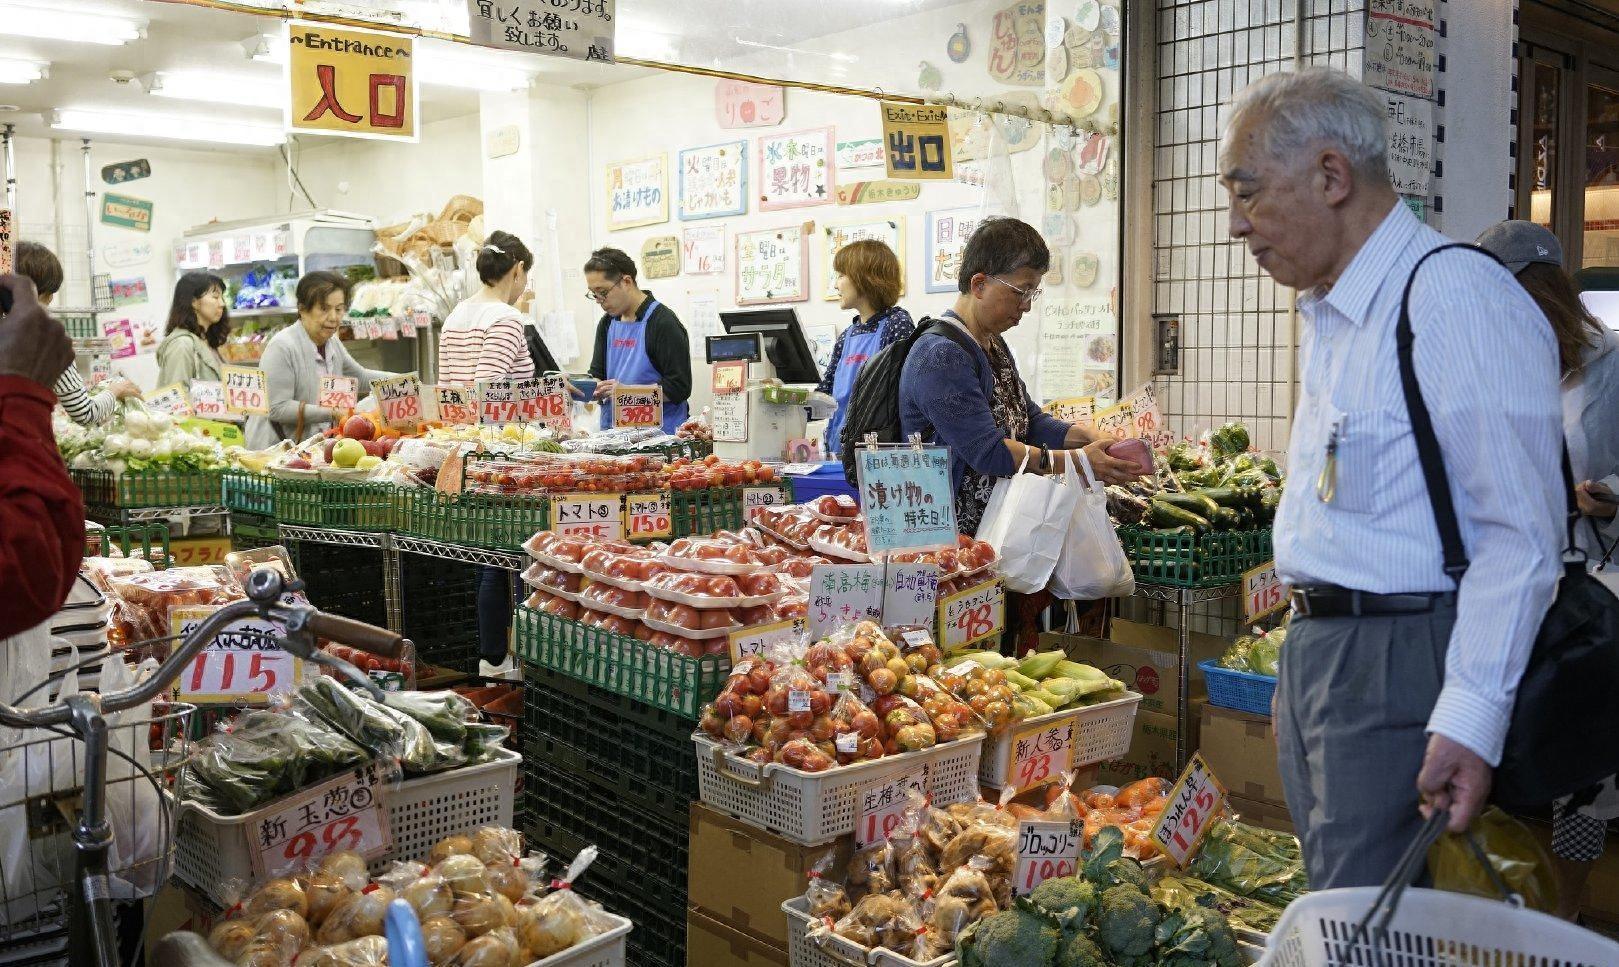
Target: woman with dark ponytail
[{"x": 199, "y": 323}]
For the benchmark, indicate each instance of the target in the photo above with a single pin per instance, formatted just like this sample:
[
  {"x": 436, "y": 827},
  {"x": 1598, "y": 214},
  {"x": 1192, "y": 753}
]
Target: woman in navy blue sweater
[{"x": 962, "y": 388}]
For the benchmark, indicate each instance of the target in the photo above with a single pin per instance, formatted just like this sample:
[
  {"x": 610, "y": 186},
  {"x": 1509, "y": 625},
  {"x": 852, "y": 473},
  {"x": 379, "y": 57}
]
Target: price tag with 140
[
  {"x": 346, "y": 812},
  {"x": 972, "y": 615},
  {"x": 1192, "y": 805},
  {"x": 246, "y": 391},
  {"x": 879, "y": 806},
  {"x": 1045, "y": 849}
]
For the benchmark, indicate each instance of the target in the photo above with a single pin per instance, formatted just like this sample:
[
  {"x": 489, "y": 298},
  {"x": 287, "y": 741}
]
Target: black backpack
[{"x": 874, "y": 402}]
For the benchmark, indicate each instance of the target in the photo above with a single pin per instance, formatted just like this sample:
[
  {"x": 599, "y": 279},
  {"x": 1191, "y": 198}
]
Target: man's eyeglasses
[
  {"x": 597, "y": 295},
  {"x": 1027, "y": 295}
]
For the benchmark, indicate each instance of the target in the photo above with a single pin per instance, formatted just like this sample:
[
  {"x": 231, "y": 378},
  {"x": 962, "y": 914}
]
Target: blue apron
[
  {"x": 857, "y": 349},
  {"x": 628, "y": 363}
]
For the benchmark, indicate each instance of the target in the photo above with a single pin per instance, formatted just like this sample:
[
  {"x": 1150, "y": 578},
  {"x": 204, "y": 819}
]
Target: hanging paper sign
[
  {"x": 637, "y": 193},
  {"x": 714, "y": 181},
  {"x": 126, "y": 212},
  {"x": 347, "y": 812},
  {"x": 730, "y": 376},
  {"x": 1017, "y": 50},
  {"x": 772, "y": 266},
  {"x": 350, "y": 83},
  {"x": 841, "y": 594},
  {"x": 880, "y": 805},
  {"x": 580, "y": 31},
  {"x": 1192, "y": 806},
  {"x": 243, "y": 665},
  {"x": 170, "y": 399},
  {"x": 588, "y": 514},
  {"x": 877, "y": 192},
  {"x": 755, "y": 497},
  {"x": 1042, "y": 752},
  {"x": 1263, "y": 593},
  {"x": 649, "y": 516},
  {"x": 864, "y": 153},
  {"x": 702, "y": 250},
  {"x": 660, "y": 257},
  {"x": 891, "y": 232},
  {"x": 637, "y": 406},
  {"x": 208, "y": 398},
  {"x": 760, "y": 640},
  {"x": 796, "y": 170},
  {"x": 910, "y": 594},
  {"x": 554, "y": 399},
  {"x": 1148, "y": 418},
  {"x": 728, "y": 415},
  {"x": 246, "y": 390},
  {"x": 916, "y": 141},
  {"x": 740, "y": 104},
  {"x": 1411, "y": 142},
  {"x": 338, "y": 392},
  {"x": 973, "y": 615},
  {"x": 400, "y": 399},
  {"x": 948, "y": 232},
  {"x": 457, "y": 405},
  {"x": 497, "y": 401},
  {"x": 1074, "y": 409},
  {"x": 906, "y": 495},
  {"x": 1046, "y": 850},
  {"x": 1400, "y": 46},
  {"x": 1117, "y": 421}
]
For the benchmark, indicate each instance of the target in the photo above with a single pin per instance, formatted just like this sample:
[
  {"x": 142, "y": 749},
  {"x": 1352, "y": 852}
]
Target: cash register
[{"x": 781, "y": 376}]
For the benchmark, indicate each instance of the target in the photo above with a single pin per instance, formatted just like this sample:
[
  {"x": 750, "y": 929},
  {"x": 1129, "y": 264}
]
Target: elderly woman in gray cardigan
[{"x": 298, "y": 356}]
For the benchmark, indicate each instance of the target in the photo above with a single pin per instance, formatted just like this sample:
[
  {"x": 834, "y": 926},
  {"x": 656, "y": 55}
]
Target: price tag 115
[
  {"x": 590, "y": 514},
  {"x": 649, "y": 515},
  {"x": 246, "y": 390},
  {"x": 879, "y": 805},
  {"x": 338, "y": 392},
  {"x": 400, "y": 399},
  {"x": 170, "y": 399},
  {"x": 972, "y": 615},
  {"x": 1045, "y": 850},
  {"x": 346, "y": 812},
  {"x": 456, "y": 405},
  {"x": 1192, "y": 805},
  {"x": 1263, "y": 593},
  {"x": 497, "y": 401},
  {"x": 242, "y": 666},
  {"x": 759, "y": 639},
  {"x": 1041, "y": 753},
  {"x": 208, "y": 398}
]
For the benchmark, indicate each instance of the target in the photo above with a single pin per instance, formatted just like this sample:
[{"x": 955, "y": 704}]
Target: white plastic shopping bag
[
  {"x": 1025, "y": 521},
  {"x": 1092, "y": 564}
]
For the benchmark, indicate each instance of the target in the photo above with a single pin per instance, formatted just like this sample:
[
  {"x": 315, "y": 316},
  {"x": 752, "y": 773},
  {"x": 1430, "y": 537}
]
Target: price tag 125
[
  {"x": 1192, "y": 805},
  {"x": 588, "y": 514},
  {"x": 880, "y": 805},
  {"x": 1045, "y": 850}
]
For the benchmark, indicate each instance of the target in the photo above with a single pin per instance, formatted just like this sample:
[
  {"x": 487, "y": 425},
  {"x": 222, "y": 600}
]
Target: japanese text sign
[
  {"x": 772, "y": 266},
  {"x": 1400, "y": 46},
  {"x": 891, "y": 232},
  {"x": 741, "y": 104},
  {"x": 649, "y": 515},
  {"x": 590, "y": 514},
  {"x": 880, "y": 805},
  {"x": 728, "y": 414},
  {"x": 192, "y": 551},
  {"x": 170, "y": 399},
  {"x": 350, "y": 83},
  {"x": 948, "y": 232},
  {"x": 702, "y": 250},
  {"x": 1117, "y": 421},
  {"x": 910, "y": 594},
  {"x": 1263, "y": 593},
  {"x": 972, "y": 615},
  {"x": 246, "y": 390},
  {"x": 553, "y": 409},
  {"x": 242, "y": 665},
  {"x": 841, "y": 594},
  {"x": 1192, "y": 805},
  {"x": 1147, "y": 418},
  {"x": 577, "y": 29},
  {"x": 1073, "y": 409},
  {"x": 796, "y": 169},
  {"x": 730, "y": 376},
  {"x": 1042, "y": 752},
  {"x": 905, "y": 492},
  {"x": 528, "y": 398},
  {"x": 637, "y": 193},
  {"x": 456, "y": 405},
  {"x": 1046, "y": 849},
  {"x": 755, "y": 497},
  {"x": 346, "y": 812},
  {"x": 126, "y": 212},
  {"x": 497, "y": 401},
  {"x": 400, "y": 399},
  {"x": 759, "y": 640},
  {"x": 207, "y": 397},
  {"x": 916, "y": 139},
  {"x": 338, "y": 392},
  {"x": 1411, "y": 144},
  {"x": 637, "y": 406},
  {"x": 714, "y": 181}
]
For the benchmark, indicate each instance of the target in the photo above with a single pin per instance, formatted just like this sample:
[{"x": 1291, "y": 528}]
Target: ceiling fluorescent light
[
  {"x": 49, "y": 22},
  {"x": 832, "y": 55},
  {"x": 22, "y": 71},
  {"x": 168, "y": 126},
  {"x": 244, "y": 90},
  {"x": 438, "y": 64}
]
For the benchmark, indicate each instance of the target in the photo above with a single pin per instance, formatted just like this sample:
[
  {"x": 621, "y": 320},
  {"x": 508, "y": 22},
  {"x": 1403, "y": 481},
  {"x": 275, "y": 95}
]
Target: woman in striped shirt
[{"x": 41, "y": 265}]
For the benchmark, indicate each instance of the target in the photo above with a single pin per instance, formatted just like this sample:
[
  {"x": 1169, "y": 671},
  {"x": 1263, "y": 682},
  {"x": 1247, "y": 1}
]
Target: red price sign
[
  {"x": 1045, "y": 850},
  {"x": 456, "y": 405},
  {"x": 528, "y": 398},
  {"x": 1263, "y": 593},
  {"x": 1149, "y": 418},
  {"x": 1042, "y": 752},
  {"x": 649, "y": 515},
  {"x": 346, "y": 812},
  {"x": 554, "y": 409},
  {"x": 246, "y": 390},
  {"x": 637, "y": 406},
  {"x": 208, "y": 398},
  {"x": 400, "y": 399},
  {"x": 972, "y": 615},
  {"x": 497, "y": 401},
  {"x": 338, "y": 392},
  {"x": 880, "y": 805},
  {"x": 1192, "y": 805},
  {"x": 243, "y": 665},
  {"x": 590, "y": 514}
]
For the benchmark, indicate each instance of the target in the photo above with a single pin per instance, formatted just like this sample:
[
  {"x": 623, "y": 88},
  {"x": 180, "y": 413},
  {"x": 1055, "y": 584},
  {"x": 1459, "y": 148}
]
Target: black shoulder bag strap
[{"x": 1428, "y": 453}]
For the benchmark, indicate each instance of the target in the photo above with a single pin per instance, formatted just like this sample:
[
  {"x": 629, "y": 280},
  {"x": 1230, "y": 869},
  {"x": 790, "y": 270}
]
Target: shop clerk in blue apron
[
  {"x": 639, "y": 340},
  {"x": 868, "y": 280}
]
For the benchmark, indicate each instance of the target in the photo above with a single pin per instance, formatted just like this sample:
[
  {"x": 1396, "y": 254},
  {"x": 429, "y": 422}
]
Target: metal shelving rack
[
  {"x": 459, "y": 553},
  {"x": 342, "y": 538},
  {"x": 1184, "y": 599}
]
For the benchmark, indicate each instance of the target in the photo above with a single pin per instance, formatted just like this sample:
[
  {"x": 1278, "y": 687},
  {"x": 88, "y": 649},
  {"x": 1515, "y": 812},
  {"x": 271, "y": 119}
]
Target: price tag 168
[
  {"x": 972, "y": 615},
  {"x": 1045, "y": 850},
  {"x": 1263, "y": 593},
  {"x": 400, "y": 398},
  {"x": 1041, "y": 753},
  {"x": 880, "y": 805},
  {"x": 246, "y": 390},
  {"x": 1192, "y": 805},
  {"x": 649, "y": 515},
  {"x": 346, "y": 812}
]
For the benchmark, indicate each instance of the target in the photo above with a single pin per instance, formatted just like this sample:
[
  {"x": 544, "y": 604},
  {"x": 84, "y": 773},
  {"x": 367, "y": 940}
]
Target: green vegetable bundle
[
  {"x": 425, "y": 731},
  {"x": 265, "y": 755},
  {"x": 1252, "y": 862},
  {"x": 1177, "y": 892}
]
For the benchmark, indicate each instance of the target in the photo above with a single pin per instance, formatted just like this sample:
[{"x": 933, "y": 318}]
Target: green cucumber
[
  {"x": 1169, "y": 516},
  {"x": 1194, "y": 502}
]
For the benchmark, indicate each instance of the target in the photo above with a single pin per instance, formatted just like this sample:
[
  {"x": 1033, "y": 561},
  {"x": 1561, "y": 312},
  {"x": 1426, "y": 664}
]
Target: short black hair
[
  {"x": 501, "y": 251},
  {"x": 1000, "y": 246},
  {"x": 611, "y": 262},
  {"x": 314, "y": 287},
  {"x": 41, "y": 265}
]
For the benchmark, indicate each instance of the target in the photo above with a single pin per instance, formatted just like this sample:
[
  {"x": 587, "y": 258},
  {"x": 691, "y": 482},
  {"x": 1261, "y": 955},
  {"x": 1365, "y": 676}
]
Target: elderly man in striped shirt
[{"x": 1396, "y": 683}]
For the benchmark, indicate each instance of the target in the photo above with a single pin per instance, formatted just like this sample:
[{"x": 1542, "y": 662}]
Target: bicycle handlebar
[{"x": 378, "y": 641}]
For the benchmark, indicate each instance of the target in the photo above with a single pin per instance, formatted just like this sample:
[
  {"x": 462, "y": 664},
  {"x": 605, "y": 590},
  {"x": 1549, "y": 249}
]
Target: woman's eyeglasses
[{"x": 1027, "y": 295}]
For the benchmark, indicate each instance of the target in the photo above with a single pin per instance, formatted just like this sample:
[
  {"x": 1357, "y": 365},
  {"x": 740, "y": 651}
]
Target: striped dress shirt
[
  {"x": 482, "y": 340},
  {"x": 1487, "y": 363}
]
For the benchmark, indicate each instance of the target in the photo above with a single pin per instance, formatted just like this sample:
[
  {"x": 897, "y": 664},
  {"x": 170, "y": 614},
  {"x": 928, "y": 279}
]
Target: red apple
[
  {"x": 359, "y": 428},
  {"x": 373, "y": 448},
  {"x": 330, "y": 444},
  {"x": 298, "y": 463},
  {"x": 388, "y": 445}
]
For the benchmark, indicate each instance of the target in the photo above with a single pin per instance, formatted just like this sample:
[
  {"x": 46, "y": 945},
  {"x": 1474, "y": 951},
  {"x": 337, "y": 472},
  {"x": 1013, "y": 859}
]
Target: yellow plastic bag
[{"x": 1511, "y": 849}]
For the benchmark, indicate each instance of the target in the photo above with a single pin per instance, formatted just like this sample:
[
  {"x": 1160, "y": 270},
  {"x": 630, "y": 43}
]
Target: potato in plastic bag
[
  {"x": 1510, "y": 847},
  {"x": 479, "y": 913},
  {"x": 442, "y": 938},
  {"x": 360, "y": 915},
  {"x": 348, "y": 865},
  {"x": 457, "y": 845},
  {"x": 360, "y": 952},
  {"x": 281, "y": 893},
  {"x": 824, "y": 898},
  {"x": 464, "y": 873},
  {"x": 516, "y": 878},
  {"x": 560, "y": 919},
  {"x": 230, "y": 938},
  {"x": 498, "y": 948}
]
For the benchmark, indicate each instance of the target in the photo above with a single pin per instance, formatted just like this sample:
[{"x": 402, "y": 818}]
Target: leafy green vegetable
[
  {"x": 1177, "y": 892},
  {"x": 265, "y": 755},
  {"x": 1229, "y": 441},
  {"x": 1251, "y": 862},
  {"x": 1125, "y": 923}
]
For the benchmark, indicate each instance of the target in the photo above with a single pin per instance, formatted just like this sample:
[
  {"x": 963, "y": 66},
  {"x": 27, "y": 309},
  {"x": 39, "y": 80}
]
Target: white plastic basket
[
  {"x": 834, "y": 951},
  {"x": 213, "y": 850},
  {"x": 604, "y": 950},
  {"x": 1430, "y": 929},
  {"x": 811, "y": 808},
  {"x": 1101, "y": 732}
]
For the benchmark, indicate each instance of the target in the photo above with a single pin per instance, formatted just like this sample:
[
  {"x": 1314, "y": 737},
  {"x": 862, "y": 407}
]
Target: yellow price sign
[
  {"x": 198, "y": 550},
  {"x": 637, "y": 406},
  {"x": 649, "y": 515},
  {"x": 350, "y": 83},
  {"x": 247, "y": 390}
]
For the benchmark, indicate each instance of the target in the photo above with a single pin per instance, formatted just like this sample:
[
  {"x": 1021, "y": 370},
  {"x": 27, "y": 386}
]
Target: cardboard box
[
  {"x": 1152, "y": 751},
  {"x": 741, "y": 876},
  {"x": 711, "y": 942},
  {"x": 1601, "y": 899},
  {"x": 1144, "y": 658},
  {"x": 1266, "y": 815},
  {"x": 1241, "y": 750}
]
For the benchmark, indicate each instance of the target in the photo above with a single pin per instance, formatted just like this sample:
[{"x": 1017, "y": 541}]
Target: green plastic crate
[
  {"x": 150, "y": 541},
  {"x": 1185, "y": 560},
  {"x": 80, "y": 325},
  {"x": 369, "y": 506},
  {"x": 439, "y": 610},
  {"x": 142, "y": 489},
  {"x": 496, "y": 521},
  {"x": 252, "y": 493},
  {"x": 702, "y": 512},
  {"x": 619, "y": 664},
  {"x": 250, "y": 531}
]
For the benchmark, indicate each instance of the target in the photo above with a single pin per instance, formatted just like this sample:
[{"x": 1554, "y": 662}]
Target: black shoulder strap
[{"x": 1428, "y": 453}]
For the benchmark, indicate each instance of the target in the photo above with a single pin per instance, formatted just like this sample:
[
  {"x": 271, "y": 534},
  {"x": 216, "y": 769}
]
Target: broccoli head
[
  {"x": 1080, "y": 951},
  {"x": 1196, "y": 937},
  {"x": 1067, "y": 900},
  {"x": 1011, "y": 938},
  {"x": 1125, "y": 923},
  {"x": 1108, "y": 866}
]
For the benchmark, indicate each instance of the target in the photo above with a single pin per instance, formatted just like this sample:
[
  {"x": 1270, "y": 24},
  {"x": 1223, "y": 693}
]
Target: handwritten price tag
[
  {"x": 910, "y": 594},
  {"x": 1117, "y": 421},
  {"x": 1042, "y": 752},
  {"x": 242, "y": 666},
  {"x": 1074, "y": 409},
  {"x": 338, "y": 392},
  {"x": 457, "y": 405},
  {"x": 842, "y": 594},
  {"x": 346, "y": 812},
  {"x": 637, "y": 406},
  {"x": 649, "y": 515},
  {"x": 972, "y": 615},
  {"x": 1148, "y": 418},
  {"x": 246, "y": 390},
  {"x": 880, "y": 805},
  {"x": 497, "y": 401},
  {"x": 755, "y": 497},
  {"x": 554, "y": 398},
  {"x": 1045, "y": 850},
  {"x": 588, "y": 514},
  {"x": 760, "y": 639},
  {"x": 1196, "y": 799},
  {"x": 208, "y": 398},
  {"x": 400, "y": 398},
  {"x": 1263, "y": 593},
  {"x": 170, "y": 399},
  {"x": 528, "y": 398}
]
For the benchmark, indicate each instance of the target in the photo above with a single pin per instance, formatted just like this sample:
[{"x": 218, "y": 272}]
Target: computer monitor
[
  {"x": 1599, "y": 291},
  {"x": 785, "y": 345}
]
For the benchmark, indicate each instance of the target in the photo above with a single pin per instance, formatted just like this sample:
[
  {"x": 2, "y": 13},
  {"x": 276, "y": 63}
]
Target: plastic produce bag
[
  {"x": 264, "y": 755},
  {"x": 1027, "y": 522},
  {"x": 1092, "y": 564},
  {"x": 824, "y": 899},
  {"x": 560, "y": 919},
  {"x": 1510, "y": 848}
]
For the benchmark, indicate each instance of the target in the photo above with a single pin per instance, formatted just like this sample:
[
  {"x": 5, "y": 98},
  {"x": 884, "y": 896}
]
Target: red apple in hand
[{"x": 359, "y": 428}]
